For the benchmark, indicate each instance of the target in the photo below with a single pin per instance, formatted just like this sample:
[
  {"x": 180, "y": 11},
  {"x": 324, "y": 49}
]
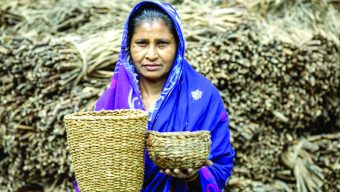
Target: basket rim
[
  {"x": 184, "y": 133},
  {"x": 86, "y": 115}
]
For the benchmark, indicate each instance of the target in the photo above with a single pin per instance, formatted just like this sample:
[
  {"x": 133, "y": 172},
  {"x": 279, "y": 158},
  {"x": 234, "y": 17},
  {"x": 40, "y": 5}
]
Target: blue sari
[{"x": 188, "y": 102}]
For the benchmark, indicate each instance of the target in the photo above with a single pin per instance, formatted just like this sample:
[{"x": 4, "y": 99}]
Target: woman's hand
[{"x": 188, "y": 174}]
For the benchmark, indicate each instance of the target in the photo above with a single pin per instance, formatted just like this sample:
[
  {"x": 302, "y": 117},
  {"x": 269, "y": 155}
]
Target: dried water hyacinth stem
[
  {"x": 300, "y": 156},
  {"x": 277, "y": 70},
  {"x": 9, "y": 19},
  {"x": 27, "y": 103}
]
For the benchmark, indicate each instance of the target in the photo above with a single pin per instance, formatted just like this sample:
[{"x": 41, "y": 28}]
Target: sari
[{"x": 188, "y": 102}]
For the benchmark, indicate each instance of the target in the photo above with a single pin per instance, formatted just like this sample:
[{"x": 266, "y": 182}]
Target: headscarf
[{"x": 188, "y": 102}]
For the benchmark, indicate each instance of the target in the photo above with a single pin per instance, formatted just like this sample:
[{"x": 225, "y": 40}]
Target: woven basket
[
  {"x": 183, "y": 150},
  {"x": 107, "y": 149}
]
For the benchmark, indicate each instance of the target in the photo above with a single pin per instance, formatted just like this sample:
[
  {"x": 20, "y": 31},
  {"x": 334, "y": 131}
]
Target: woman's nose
[{"x": 151, "y": 53}]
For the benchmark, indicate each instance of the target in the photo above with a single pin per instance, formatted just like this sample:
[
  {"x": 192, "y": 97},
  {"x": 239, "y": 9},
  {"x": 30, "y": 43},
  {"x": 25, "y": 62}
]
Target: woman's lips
[{"x": 151, "y": 67}]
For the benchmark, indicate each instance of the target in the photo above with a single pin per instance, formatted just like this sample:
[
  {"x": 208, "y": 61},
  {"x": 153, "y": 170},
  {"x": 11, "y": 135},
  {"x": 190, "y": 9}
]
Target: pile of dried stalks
[
  {"x": 40, "y": 84},
  {"x": 295, "y": 87},
  {"x": 279, "y": 80}
]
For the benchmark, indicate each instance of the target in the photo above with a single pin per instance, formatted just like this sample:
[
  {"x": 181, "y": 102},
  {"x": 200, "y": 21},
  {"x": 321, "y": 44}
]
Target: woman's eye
[
  {"x": 163, "y": 44},
  {"x": 141, "y": 44}
]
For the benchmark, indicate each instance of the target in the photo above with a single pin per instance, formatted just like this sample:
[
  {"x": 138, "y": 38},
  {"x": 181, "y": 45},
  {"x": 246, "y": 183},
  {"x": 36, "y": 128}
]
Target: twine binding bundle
[
  {"x": 183, "y": 150},
  {"x": 107, "y": 149}
]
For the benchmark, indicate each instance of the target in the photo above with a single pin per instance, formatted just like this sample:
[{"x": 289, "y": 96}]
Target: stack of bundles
[
  {"x": 35, "y": 81},
  {"x": 314, "y": 162},
  {"x": 9, "y": 19},
  {"x": 327, "y": 158},
  {"x": 60, "y": 18},
  {"x": 305, "y": 164},
  {"x": 275, "y": 92},
  {"x": 296, "y": 21},
  {"x": 281, "y": 85},
  {"x": 40, "y": 83}
]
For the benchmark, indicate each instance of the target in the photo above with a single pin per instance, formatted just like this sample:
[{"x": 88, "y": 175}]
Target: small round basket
[
  {"x": 107, "y": 149},
  {"x": 183, "y": 150}
]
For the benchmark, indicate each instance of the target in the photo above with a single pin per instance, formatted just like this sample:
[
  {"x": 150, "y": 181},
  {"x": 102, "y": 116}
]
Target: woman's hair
[{"x": 150, "y": 13}]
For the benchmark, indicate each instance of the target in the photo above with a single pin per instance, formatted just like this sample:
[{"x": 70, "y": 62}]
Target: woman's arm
[
  {"x": 194, "y": 183},
  {"x": 213, "y": 178}
]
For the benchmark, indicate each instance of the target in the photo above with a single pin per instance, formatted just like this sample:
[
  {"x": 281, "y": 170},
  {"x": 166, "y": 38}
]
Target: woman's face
[{"x": 153, "y": 49}]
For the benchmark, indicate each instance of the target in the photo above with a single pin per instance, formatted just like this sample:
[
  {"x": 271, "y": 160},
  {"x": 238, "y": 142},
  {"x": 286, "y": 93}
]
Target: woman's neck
[
  {"x": 151, "y": 88},
  {"x": 150, "y": 91}
]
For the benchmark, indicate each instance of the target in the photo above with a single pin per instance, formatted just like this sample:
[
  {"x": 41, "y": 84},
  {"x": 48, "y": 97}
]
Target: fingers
[
  {"x": 190, "y": 171},
  {"x": 184, "y": 173},
  {"x": 179, "y": 173},
  {"x": 168, "y": 171},
  {"x": 174, "y": 173},
  {"x": 208, "y": 162}
]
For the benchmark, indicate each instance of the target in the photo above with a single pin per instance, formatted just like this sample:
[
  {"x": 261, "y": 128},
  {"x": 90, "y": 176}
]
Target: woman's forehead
[
  {"x": 157, "y": 24},
  {"x": 152, "y": 28}
]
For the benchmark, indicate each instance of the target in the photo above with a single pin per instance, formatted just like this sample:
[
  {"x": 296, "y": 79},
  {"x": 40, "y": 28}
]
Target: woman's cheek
[
  {"x": 136, "y": 48},
  {"x": 137, "y": 54}
]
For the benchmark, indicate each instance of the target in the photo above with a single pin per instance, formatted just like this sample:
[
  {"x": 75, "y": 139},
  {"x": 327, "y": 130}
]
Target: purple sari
[{"x": 188, "y": 102}]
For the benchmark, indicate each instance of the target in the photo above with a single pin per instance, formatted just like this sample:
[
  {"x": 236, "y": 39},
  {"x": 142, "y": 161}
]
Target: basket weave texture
[
  {"x": 107, "y": 149},
  {"x": 182, "y": 150}
]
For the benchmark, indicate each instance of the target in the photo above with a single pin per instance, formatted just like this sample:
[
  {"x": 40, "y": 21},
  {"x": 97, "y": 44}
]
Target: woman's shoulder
[{"x": 199, "y": 84}]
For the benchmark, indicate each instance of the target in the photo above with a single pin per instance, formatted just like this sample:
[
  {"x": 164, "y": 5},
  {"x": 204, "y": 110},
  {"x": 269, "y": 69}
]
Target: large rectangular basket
[{"x": 107, "y": 149}]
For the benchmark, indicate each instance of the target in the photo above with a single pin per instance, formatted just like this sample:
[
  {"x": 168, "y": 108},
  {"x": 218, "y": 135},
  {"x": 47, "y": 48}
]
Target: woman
[{"x": 151, "y": 74}]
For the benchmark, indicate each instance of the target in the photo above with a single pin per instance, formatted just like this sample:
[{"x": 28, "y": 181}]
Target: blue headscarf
[{"x": 188, "y": 102}]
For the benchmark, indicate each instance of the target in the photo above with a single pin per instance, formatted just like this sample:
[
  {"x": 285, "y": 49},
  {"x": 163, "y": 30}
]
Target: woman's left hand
[{"x": 184, "y": 174}]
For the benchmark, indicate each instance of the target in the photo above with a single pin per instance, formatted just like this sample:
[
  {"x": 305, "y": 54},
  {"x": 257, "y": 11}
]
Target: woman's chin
[{"x": 154, "y": 76}]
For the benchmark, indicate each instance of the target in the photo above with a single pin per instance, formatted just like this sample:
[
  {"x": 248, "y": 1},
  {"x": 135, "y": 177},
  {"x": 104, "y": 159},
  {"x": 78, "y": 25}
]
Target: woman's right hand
[{"x": 186, "y": 175}]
